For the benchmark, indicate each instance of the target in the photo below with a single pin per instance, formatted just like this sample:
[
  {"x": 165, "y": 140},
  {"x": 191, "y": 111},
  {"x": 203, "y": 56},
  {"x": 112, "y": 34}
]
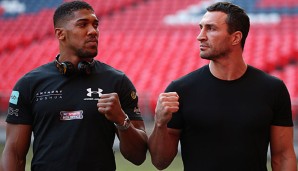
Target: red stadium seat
[{"x": 135, "y": 39}]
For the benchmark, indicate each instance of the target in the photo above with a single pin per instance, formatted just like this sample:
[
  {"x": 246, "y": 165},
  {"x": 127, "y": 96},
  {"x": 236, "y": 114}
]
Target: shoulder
[
  {"x": 190, "y": 80},
  {"x": 199, "y": 73},
  {"x": 258, "y": 79},
  {"x": 259, "y": 75},
  {"x": 104, "y": 68},
  {"x": 43, "y": 71},
  {"x": 193, "y": 76}
]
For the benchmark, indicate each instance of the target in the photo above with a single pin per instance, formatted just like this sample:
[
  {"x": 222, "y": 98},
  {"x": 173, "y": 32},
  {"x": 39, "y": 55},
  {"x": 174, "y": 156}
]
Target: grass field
[{"x": 124, "y": 165}]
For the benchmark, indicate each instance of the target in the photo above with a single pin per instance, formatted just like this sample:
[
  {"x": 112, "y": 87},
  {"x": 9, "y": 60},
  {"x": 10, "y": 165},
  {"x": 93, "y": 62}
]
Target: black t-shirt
[
  {"x": 69, "y": 132},
  {"x": 226, "y": 124}
]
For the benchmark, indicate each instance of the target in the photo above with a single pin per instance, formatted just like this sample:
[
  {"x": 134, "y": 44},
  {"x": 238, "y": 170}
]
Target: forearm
[
  {"x": 163, "y": 148},
  {"x": 133, "y": 144},
  {"x": 18, "y": 138},
  {"x": 284, "y": 163},
  {"x": 10, "y": 162},
  {"x": 283, "y": 156}
]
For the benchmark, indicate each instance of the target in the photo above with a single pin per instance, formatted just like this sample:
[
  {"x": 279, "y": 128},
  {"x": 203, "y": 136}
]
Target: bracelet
[{"x": 126, "y": 124}]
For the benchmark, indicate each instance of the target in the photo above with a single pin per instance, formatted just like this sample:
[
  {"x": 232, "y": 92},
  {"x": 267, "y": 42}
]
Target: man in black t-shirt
[
  {"x": 74, "y": 105},
  {"x": 226, "y": 113}
]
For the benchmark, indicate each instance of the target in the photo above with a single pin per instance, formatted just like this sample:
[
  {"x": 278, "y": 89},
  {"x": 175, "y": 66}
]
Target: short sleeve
[
  {"x": 282, "y": 108},
  {"x": 129, "y": 99},
  {"x": 19, "y": 110}
]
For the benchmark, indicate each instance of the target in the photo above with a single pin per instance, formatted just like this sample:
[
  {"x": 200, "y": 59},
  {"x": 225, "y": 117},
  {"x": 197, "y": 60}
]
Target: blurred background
[{"x": 152, "y": 41}]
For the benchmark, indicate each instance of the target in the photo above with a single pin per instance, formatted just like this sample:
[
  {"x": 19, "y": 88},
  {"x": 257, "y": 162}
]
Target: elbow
[
  {"x": 136, "y": 160},
  {"x": 160, "y": 164},
  {"x": 160, "y": 161},
  {"x": 139, "y": 161}
]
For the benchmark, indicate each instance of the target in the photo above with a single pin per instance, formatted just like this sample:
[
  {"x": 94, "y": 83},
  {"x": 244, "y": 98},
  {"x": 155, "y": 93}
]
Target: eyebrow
[
  {"x": 208, "y": 25},
  {"x": 85, "y": 19}
]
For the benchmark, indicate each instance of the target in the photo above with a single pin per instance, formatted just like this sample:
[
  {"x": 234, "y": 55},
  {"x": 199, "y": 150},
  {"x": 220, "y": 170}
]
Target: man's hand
[
  {"x": 167, "y": 104},
  {"x": 109, "y": 105}
]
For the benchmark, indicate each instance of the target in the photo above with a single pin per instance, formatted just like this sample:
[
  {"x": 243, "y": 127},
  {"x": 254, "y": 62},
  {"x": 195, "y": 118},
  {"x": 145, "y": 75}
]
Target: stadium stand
[{"x": 152, "y": 41}]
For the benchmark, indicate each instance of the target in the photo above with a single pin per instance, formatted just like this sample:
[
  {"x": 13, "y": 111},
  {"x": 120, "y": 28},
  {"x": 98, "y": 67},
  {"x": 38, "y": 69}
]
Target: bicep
[
  {"x": 281, "y": 140},
  {"x": 18, "y": 138}
]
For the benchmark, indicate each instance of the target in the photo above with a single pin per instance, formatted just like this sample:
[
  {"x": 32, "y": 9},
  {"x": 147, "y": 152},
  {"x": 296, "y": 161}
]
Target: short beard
[
  {"x": 86, "y": 54},
  {"x": 216, "y": 55}
]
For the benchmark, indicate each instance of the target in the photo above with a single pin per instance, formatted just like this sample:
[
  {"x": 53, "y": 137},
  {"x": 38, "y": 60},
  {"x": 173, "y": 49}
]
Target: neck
[
  {"x": 73, "y": 59},
  {"x": 228, "y": 70}
]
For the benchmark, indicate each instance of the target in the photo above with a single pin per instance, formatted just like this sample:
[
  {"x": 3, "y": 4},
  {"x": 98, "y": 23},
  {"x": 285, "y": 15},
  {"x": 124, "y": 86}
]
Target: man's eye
[
  {"x": 211, "y": 28},
  {"x": 82, "y": 24}
]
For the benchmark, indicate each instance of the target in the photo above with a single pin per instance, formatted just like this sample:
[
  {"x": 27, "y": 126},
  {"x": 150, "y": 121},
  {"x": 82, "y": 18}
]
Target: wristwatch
[{"x": 126, "y": 124}]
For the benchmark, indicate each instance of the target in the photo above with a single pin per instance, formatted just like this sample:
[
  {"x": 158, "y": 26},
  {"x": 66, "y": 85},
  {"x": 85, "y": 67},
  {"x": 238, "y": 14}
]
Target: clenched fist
[
  {"x": 109, "y": 105},
  {"x": 167, "y": 104}
]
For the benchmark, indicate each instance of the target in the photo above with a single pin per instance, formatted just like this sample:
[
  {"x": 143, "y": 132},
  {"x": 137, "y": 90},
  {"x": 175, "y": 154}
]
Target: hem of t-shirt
[
  {"x": 18, "y": 122},
  {"x": 135, "y": 118},
  {"x": 284, "y": 125}
]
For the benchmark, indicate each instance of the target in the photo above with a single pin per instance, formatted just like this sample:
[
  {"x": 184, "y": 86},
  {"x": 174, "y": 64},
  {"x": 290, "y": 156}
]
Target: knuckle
[{"x": 162, "y": 98}]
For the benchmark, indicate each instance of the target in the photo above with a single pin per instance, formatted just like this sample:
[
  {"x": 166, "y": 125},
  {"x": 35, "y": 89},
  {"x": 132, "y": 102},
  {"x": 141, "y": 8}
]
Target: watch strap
[{"x": 125, "y": 125}]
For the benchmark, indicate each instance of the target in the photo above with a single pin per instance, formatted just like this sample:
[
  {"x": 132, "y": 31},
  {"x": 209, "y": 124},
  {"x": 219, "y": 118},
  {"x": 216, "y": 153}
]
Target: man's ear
[
  {"x": 237, "y": 37},
  {"x": 59, "y": 33}
]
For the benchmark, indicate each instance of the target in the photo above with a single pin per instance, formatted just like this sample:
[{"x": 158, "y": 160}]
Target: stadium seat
[{"x": 135, "y": 39}]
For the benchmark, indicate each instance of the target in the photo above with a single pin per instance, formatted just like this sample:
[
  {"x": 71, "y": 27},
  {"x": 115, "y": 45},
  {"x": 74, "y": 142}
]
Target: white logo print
[
  {"x": 90, "y": 92},
  {"x": 49, "y": 95},
  {"x": 12, "y": 111}
]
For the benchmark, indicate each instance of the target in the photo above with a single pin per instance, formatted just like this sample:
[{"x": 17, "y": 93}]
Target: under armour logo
[
  {"x": 90, "y": 92},
  {"x": 11, "y": 111}
]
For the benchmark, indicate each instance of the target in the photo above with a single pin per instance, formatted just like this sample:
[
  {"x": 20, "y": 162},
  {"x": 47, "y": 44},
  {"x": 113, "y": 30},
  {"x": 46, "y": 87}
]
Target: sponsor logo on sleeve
[
  {"x": 12, "y": 111},
  {"x": 137, "y": 110},
  {"x": 133, "y": 95},
  {"x": 14, "y": 97}
]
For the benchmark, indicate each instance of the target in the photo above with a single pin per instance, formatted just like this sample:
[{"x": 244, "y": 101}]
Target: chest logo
[
  {"x": 93, "y": 95},
  {"x": 49, "y": 95},
  {"x": 90, "y": 92},
  {"x": 71, "y": 115}
]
